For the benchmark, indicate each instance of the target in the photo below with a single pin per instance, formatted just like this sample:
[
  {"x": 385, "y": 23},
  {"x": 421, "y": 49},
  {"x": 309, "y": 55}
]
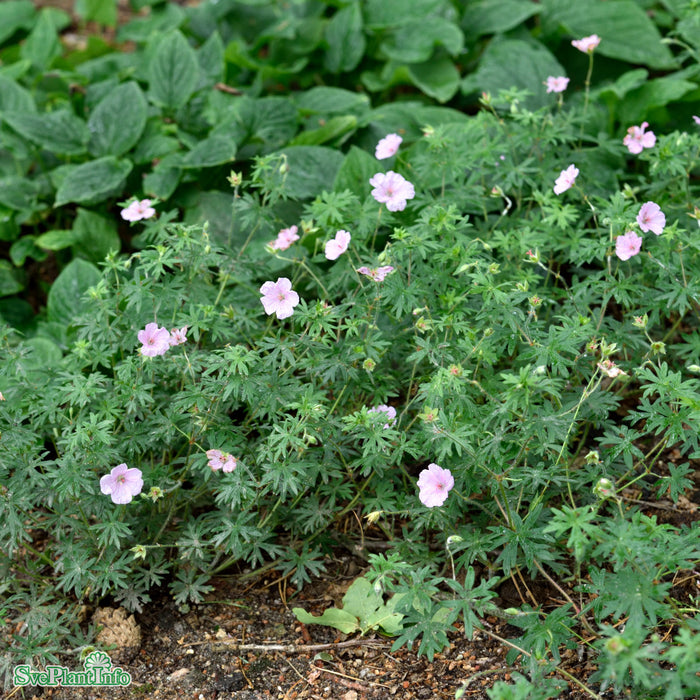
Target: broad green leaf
[
  {"x": 109, "y": 66},
  {"x": 9, "y": 228},
  {"x": 65, "y": 301},
  {"x": 357, "y": 168},
  {"x": 10, "y": 279},
  {"x": 165, "y": 177},
  {"x": 17, "y": 193},
  {"x": 346, "y": 42},
  {"x": 56, "y": 240},
  {"x": 392, "y": 13},
  {"x": 14, "y": 97},
  {"x": 42, "y": 44},
  {"x": 143, "y": 29},
  {"x": 266, "y": 123},
  {"x": 362, "y": 601},
  {"x": 16, "y": 70},
  {"x": 496, "y": 16},
  {"x": 211, "y": 59},
  {"x": 415, "y": 41},
  {"x": 93, "y": 181},
  {"x": 118, "y": 120},
  {"x": 214, "y": 150},
  {"x": 238, "y": 53},
  {"x": 214, "y": 207},
  {"x": 154, "y": 144},
  {"x": 627, "y": 33},
  {"x": 311, "y": 169},
  {"x": 18, "y": 313},
  {"x": 173, "y": 72},
  {"x": 26, "y": 247},
  {"x": 332, "y": 129},
  {"x": 44, "y": 353},
  {"x": 438, "y": 78},
  {"x": 408, "y": 118},
  {"x": 513, "y": 63},
  {"x": 332, "y": 617},
  {"x": 100, "y": 11},
  {"x": 95, "y": 235},
  {"x": 626, "y": 82},
  {"x": 59, "y": 132},
  {"x": 14, "y": 15},
  {"x": 331, "y": 100},
  {"x": 654, "y": 93}
]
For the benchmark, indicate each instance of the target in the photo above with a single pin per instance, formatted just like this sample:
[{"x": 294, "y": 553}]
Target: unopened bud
[
  {"x": 592, "y": 457},
  {"x": 640, "y": 321},
  {"x": 374, "y": 516},
  {"x": 604, "y": 488},
  {"x": 139, "y": 551}
]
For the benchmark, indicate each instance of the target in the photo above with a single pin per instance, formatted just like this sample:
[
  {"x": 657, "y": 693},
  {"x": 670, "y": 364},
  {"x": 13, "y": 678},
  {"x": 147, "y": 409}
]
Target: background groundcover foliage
[{"x": 553, "y": 378}]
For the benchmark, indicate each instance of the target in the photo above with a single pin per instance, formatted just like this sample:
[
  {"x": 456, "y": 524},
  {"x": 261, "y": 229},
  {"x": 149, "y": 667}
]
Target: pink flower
[
  {"x": 651, "y": 218},
  {"x": 609, "y": 368},
  {"x": 696, "y": 120},
  {"x": 138, "y": 210},
  {"x": 338, "y": 245},
  {"x": 557, "y": 84},
  {"x": 376, "y": 273},
  {"x": 156, "y": 341},
  {"x": 122, "y": 484},
  {"x": 389, "y": 411},
  {"x": 279, "y": 297},
  {"x": 388, "y": 146},
  {"x": 628, "y": 245},
  {"x": 434, "y": 484},
  {"x": 285, "y": 238},
  {"x": 392, "y": 189},
  {"x": 221, "y": 460},
  {"x": 566, "y": 179},
  {"x": 637, "y": 140},
  {"x": 178, "y": 336},
  {"x": 587, "y": 44}
]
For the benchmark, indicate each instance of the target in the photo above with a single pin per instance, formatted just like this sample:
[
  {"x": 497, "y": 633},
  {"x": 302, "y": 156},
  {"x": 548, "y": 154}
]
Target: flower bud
[
  {"x": 592, "y": 457},
  {"x": 369, "y": 364},
  {"x": 235, "y": 179},
  {"x": 374, "y": 516},
  {"x": 641, "y": 321},
  {"x": 604, "y": 488},
  {"x": 155, "y": 493},
  {"x": 429, "y": 415},
  {"x": 139, "y": 551},
  {"x": 616, "y": 645}
]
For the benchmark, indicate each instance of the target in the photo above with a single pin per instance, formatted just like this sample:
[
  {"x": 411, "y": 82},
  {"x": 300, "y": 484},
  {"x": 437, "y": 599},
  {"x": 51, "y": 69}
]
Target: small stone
[{"x": 176, "y": 675}]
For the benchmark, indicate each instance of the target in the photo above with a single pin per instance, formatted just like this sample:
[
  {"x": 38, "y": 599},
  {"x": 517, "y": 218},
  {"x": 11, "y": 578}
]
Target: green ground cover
[{"x": 269, "y": 266}]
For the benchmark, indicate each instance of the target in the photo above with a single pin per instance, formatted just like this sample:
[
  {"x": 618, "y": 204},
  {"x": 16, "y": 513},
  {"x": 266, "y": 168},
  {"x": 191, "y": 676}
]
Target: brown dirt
[{"x": 228, "y": 647}]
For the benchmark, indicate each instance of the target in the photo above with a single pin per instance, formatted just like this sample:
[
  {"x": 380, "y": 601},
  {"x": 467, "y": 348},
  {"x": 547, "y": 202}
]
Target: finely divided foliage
[{"x": 500, "y": 377}]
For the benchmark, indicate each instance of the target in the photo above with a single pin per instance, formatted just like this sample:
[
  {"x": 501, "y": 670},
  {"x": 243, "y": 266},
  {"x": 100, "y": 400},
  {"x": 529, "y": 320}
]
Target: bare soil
[{"x": 245, "y": 643}]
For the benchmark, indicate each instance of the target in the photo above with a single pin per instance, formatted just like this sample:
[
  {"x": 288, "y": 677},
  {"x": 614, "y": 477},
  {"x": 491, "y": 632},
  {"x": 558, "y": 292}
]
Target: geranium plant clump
[{"x": 499, "y": 379}]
